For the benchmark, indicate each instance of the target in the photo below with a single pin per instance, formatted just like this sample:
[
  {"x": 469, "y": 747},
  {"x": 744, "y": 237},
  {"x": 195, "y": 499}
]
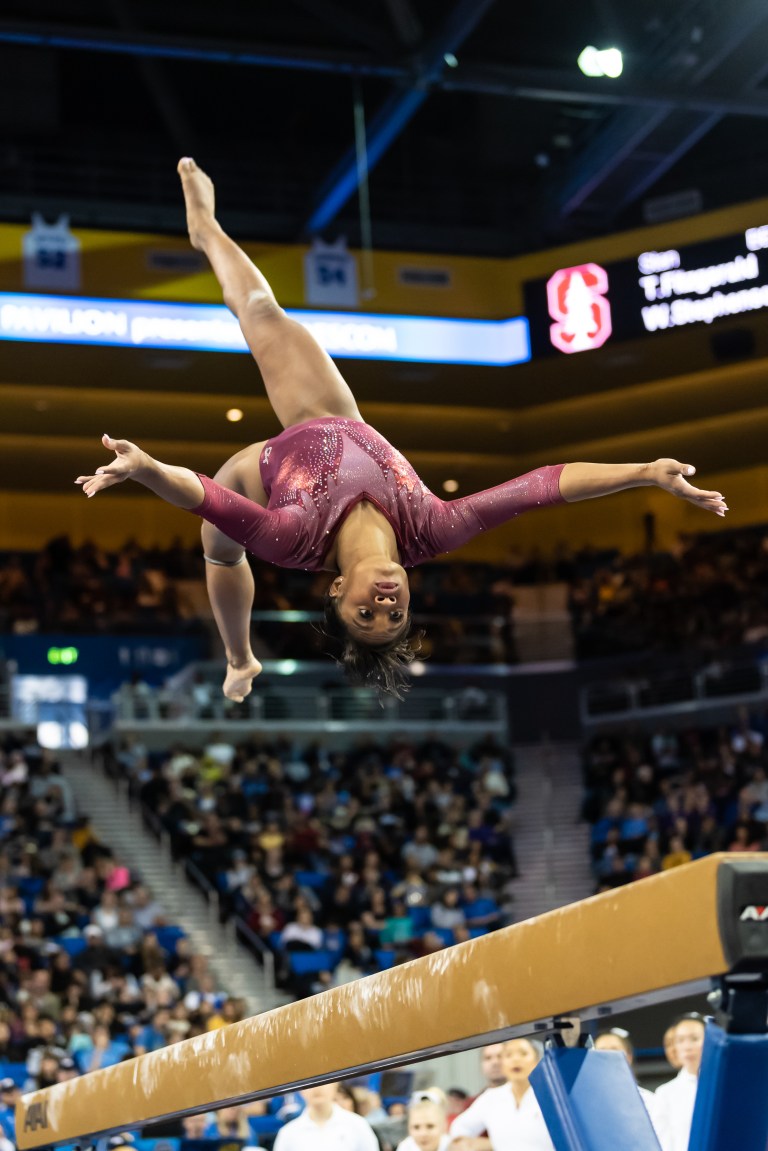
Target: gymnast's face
[
  {"x": 689, "y": 1041},
  {"x": 670, "y": 1047},
  {"x": 610, "y": 1042},
  {"x": 518, "y": 1060},
  {"x": 372, "y": 600},
  {"x": 426, "y": 1125}
]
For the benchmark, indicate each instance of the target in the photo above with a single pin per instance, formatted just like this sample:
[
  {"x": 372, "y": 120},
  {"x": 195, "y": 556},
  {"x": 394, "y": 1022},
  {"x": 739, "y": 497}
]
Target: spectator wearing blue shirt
[
  {"x": 154, "y": 1034},
  {"x": 634, "y": 829},
  {"x": 10, "y": 1092},
  {"x": 105, "y": 1051}
]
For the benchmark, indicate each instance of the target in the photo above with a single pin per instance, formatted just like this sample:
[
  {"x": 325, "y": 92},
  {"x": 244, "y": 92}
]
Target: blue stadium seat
[
  {"x": 264, "y": 1125},
  {"x": 445, "y": 934},
  {"x": 160, "y": 1144},
  {"x": 168, "y": 936},
  {"x": 385, "y": 959},
  {"x": 312, "y": 962},
  {"x": 314, "y": 879},
  {"x": 335, "y": 942},
  {"x": 30, "y": 886},
  {"x": 481, "y": 907},
  {"x": 15, "y": 1071},
  {"x": 421, "y": 918},
  {"x": 72, "y": 944}
]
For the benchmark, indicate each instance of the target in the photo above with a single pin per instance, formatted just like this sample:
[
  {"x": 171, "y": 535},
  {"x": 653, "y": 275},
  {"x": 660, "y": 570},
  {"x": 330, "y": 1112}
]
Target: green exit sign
[{"x": 62, "y": 656}]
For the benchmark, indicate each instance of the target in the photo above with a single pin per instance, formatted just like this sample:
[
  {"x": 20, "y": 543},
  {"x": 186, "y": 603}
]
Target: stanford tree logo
[{"x": 578, "y": 305}]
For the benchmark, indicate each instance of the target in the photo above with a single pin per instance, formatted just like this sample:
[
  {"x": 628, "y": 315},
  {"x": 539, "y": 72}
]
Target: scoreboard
[{"x": 586, "y": 306}]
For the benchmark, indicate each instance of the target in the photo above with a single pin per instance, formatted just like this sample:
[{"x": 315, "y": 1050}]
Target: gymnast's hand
[
  {"x": 129, "y": 460},
  {"x": 672, "y": 476}
]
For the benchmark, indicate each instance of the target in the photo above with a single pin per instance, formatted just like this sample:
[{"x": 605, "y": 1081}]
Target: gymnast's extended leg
[
  {"x": 301, "y": 379},
  {"x": 302, "y": 383},
  {"x": 229, "y": 578}
]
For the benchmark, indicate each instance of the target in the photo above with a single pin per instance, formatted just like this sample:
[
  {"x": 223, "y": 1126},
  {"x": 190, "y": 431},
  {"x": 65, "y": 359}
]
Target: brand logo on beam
[
  {"x": 754, "y": 912},
  {"x": 578, "y": 304},
  {"x": 36, "y": 1116}
]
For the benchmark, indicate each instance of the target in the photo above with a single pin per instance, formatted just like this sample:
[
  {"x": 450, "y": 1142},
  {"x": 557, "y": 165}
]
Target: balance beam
[{"x": 654, "y": 940}]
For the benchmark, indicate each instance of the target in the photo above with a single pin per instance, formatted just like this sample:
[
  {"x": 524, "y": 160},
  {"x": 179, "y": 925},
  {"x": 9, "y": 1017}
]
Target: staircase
[
  {"x": 121, "y": 827},
  {"x": 551, "y": 843},
  {"x": 543, "y": 625}
]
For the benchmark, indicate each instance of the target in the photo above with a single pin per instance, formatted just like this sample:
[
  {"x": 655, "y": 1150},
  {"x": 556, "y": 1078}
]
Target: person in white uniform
[
  {"x": 674, "y": 1101},
  {"x": 324, "y": 1126},
  {"x": 427, "y": 1122},
  {"x": 617, "y": 1039},
  {"x": 506, "y": 1118}
]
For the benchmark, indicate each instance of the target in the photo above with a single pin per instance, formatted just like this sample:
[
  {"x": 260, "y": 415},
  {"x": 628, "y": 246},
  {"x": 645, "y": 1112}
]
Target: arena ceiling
[{"x": 509, "y": 150}]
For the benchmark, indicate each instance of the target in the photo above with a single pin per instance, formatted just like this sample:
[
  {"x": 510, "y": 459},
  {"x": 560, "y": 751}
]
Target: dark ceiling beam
[
  {"x": 396, "y": 111},
  {"x": 348, "y": 21},
  {"x": 156, "y": 82},
  {"x": 538, "y": 84},
  {"x": 563, "y": 87},
  {"x": 193, "y": 50},
  {"x": 620, "y": 175},
  {"x": 406, "y": 22},
  {"x": 749, "y": 67}
]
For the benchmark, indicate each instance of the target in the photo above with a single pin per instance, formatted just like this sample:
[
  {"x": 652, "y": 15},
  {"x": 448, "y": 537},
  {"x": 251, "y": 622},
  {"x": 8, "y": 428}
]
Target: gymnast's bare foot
[
  {"x": 199, "y": 199},
  {"x": 239, "y": 678}
]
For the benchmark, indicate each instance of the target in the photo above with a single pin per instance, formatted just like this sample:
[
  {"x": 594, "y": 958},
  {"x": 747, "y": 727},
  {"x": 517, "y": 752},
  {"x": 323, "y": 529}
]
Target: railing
[
  {"x": 207, "y": 890},
  {"x": 155, "y": 826},
  {"x": 675, "y": 691},
  {"x": 307, "y": 707},
  {"x": 462, "y": 637},
  {"x": 212, "y": 898},
  {"x": 256, "y": 945}
]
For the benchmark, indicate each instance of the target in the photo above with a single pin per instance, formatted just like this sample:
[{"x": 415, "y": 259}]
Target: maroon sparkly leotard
[{"x": 315, "y": 472}]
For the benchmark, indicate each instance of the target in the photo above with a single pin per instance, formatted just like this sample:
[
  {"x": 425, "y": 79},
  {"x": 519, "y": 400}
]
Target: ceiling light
[
  {"x": 450, "y": 485},
  {"x": 601, "y": 62},
  {"x": 451, "y": 60},
  {"x": 234, "y": 415}
]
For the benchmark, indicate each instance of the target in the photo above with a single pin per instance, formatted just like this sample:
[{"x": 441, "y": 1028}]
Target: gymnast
[{"x": 329, "y": 493}]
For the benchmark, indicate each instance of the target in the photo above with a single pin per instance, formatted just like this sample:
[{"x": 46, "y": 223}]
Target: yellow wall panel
[
  {"x": 29, "y": 519},
  {"x": 135, "y": 265},
  {"x": 123, "y": 265}
]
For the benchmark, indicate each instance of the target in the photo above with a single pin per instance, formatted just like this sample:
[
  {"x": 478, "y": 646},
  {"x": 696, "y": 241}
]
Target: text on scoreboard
[{"x": 585, "y": 306}]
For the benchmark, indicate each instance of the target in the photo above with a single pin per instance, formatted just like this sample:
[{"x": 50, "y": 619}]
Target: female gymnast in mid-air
[{"x": 329, "y": 493}]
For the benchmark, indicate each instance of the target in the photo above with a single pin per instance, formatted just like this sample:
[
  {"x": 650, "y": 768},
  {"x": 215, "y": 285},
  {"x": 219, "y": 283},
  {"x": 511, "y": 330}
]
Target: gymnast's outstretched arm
[
  {"x": 178, "y": 486},
  {"x": 588, "y": 481},
  {"x": 450, "y": 523},
  {"x": 229, "y": 578}
]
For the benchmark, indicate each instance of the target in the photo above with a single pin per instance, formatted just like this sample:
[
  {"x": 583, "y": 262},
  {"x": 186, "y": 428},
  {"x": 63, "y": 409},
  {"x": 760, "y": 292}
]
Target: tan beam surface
[{"x": 643, "y": 943}]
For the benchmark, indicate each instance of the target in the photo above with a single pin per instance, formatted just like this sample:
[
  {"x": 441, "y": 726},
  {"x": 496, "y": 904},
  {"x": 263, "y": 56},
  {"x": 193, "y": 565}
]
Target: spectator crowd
[
  {"x": 707, "y": 594},
  {"x": 340, "y": 862},
  {"x": 664, "y": 799},
  {"x": 91, "y": 972}
]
